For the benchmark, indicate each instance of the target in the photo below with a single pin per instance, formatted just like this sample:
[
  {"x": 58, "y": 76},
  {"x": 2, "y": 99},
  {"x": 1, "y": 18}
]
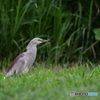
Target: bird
[{"x": 24, "y": 60}]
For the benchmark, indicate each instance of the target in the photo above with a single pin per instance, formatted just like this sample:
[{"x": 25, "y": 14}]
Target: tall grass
[{"x": 68, "y": 25}]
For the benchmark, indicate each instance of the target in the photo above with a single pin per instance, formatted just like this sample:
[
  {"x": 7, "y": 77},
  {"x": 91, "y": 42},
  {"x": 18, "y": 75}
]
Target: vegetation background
[{"x": 74, "y": 27}]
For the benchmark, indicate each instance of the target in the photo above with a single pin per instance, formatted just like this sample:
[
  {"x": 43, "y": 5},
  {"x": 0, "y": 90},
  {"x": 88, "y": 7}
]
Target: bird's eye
[{"x": 39, "y": 40}]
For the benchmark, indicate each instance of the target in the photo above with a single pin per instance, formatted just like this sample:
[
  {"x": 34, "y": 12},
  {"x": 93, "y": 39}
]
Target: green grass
[{"x": 52, "y": 83}]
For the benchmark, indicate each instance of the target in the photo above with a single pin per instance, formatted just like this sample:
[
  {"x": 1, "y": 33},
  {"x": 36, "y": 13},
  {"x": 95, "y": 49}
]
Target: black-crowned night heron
[{"x": 23, "y": 61}]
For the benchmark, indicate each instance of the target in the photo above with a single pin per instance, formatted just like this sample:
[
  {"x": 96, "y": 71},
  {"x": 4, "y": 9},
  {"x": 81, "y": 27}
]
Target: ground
[{"x": 56, "y": 83}]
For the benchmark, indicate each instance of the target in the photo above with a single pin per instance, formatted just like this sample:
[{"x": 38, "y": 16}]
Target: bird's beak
[{"x": 46, "y": 41}]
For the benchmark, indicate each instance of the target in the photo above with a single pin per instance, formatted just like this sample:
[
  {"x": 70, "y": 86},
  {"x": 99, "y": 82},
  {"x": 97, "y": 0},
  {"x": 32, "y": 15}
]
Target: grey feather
[{"x": 23, "y": 61}]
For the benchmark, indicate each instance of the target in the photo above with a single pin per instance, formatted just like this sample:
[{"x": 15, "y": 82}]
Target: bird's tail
[
  {"x": 4, "y": 77},
  {"x": 9, "y": 73}
]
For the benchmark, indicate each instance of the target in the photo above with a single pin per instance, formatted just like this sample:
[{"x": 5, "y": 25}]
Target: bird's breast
[{"x": 31, "y": 58}]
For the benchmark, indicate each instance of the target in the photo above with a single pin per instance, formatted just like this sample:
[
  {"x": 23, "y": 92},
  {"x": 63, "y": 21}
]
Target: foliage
[
  {"x": 97, "y": 33},
  {"x": 69, "y": 24},
  {"x": 52, "y": 83}
]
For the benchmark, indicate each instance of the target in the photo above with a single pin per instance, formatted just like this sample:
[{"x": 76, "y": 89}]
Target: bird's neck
[{"x": 32, "y": 49}]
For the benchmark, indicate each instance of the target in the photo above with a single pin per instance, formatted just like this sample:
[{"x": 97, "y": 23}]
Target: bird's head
[
  {"x": 35, "y": 42},
  {"x": 38, "y": 41}
]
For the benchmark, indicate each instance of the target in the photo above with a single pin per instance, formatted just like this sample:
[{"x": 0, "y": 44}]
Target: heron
[{"x": 23, "y": 61}]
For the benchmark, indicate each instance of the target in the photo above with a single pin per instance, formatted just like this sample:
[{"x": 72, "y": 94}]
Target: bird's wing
[
  {"x": 16, "y": 66},
  {"x": 15, "y": 61}
]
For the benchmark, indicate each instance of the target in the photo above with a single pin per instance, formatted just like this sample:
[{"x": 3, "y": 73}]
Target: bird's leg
[
  {"x": 16, "y": 74},
  {"x": 19, "y": 75}
]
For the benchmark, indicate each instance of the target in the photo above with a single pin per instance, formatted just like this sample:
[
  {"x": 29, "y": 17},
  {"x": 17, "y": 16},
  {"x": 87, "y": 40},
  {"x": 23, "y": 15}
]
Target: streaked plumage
[{"x": 23, "y": 61}]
